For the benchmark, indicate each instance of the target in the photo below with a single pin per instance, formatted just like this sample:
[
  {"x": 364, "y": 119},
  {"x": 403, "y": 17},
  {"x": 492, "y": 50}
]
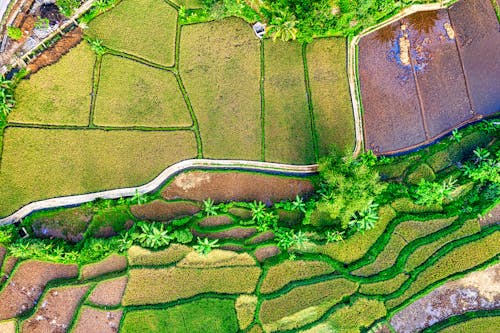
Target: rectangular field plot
[
  {"x": 334, "y": 120},
  {"x": 438, "y": 71},
  {"x": 220, "y": 68},
  {"x": 58, "y": 94},
  {"x": 133, "y": 94},
  {"x": 40, "y": 163},
  {"x": 476, "y": 27},
  {"x": 392, "y": 118},
  {"x": 144, "y": 28},
  {"x": 288, "y": 133}
]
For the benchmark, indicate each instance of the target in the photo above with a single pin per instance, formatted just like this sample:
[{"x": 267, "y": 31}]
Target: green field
[{"x": 59, "y": 94}]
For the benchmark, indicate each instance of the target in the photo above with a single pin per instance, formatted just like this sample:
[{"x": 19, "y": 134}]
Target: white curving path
[{"x": 159, "y": 181}]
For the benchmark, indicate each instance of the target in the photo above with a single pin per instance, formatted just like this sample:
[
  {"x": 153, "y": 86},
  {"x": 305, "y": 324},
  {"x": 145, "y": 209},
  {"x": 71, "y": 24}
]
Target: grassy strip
[
  {"x": 280, "y": 275},
  {"x": 226, "y": 104},
  {"x": 459, "y": 259},
  {"x": 214, "y": 315},
  {"x": 288, "y": 132},
  {"x": 404, "y": 233},
  {"x": 133, "y": 27},
  {"x": 131, "y": 94},
  {"x": 150, "y": 286},
  {"x": 487, "y": 321},
  {"x": 303, "y": 297},
  {"x": 262, "y": 102},
  {"x": 384, "y": 287},
  {"x": 97, "y": 160},
  {"x": 58, "y": 94},
  {"x": 309, "y": 101},
  {"x": 329, "y": 94}
]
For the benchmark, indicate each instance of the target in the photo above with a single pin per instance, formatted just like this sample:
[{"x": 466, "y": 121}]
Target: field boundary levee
[
  {"x": 159, "y": 181},
  {"x": 352, "y": 63}
]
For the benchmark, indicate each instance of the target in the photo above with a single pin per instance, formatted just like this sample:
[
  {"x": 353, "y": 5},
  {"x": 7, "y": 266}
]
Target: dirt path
[{"x": 157, "y": 183}]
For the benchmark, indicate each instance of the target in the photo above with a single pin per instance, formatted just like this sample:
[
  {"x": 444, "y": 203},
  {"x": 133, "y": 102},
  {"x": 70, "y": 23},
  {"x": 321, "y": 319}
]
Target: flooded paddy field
[{"x": 428, "y": 73}]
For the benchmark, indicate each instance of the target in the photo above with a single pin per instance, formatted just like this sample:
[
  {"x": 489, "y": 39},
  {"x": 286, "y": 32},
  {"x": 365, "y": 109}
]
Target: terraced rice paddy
[{"x": 445, "y": 79}]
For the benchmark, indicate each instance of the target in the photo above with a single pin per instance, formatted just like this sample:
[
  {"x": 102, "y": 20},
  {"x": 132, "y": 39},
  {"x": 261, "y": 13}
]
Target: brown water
[{"x": 449, "y": 77}]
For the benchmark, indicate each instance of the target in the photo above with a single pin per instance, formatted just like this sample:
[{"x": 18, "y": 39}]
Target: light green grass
[
  {"x": 483, "y": 325},
  {"x": 153, "y": 286},
  {"x": 41, "y": 163},
  {"x": 132, "y": 94},
  {"x": 204, "y": 315},
  {"x": 144, "y": 28},
  {"x": 220, "y": 68},
  {"x": 288, "y": 135},
  {"x": 303, "y": 297},
  {"x": 423, "y": 253},
  {"x": 458, "y": 260},
  {"x": 403, "y": 234},
  {"x": 57, "y": 94},
  {"x": 334, "y": 119},
  {"x": 356, "y": 246}
]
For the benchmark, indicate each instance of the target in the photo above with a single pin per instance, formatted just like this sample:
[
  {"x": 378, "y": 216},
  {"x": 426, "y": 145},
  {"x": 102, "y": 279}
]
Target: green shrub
[
  {"x": 384, "y": 287},
  {"x": 153, "y": 286},
  {"x": 356, "y": 246},
  {"x": 406, "y": 205},
  {"x": 423, "y": 171},
  {"x": 458, "y": 260},
  {"x": 292, "y": 270},
  {"x": 424, "y": 252},
  {"x": 302, "y": 297},
  {"x": 114, "y": 217},
  {"x": 14, "y": 33},
  {"x": 204, "y": 315}
]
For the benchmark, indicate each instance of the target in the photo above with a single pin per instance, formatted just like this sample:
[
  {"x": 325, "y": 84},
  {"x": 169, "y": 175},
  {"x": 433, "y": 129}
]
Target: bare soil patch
[
  {"x": 68, "y": 224},
  {"x": 113, "y": 263},
  {"x": 492, "y": 217},
  {"x": 8, "y": 267},
  {"x": 159, "y": 210},
  {"x": 266, "y": 252},
  {"x": 56, "y": 310},
  {"x": 476, "y": 291},
  {"x": 215, "y": 221},
  {"x": 476, "y": 27},
  {"x": 27, "y": 284},
  {"x": 236, "y": 186},
  {"x": 98, "y": 321},
  {"x": 56, "y": 51},
  {"x": 3, "y": 252},
  {"x": 233, "y": 233},
  {"x": 262, "y": 237},
  {"x": 109, "y": 292},
  {"x": 232, "y": 247}
]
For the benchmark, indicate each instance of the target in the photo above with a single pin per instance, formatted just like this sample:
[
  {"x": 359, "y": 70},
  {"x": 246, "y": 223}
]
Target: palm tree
[
  {"x": 299, "y": 204},
  {"x": 205, "y": 246},
  {"x": 300, "y": 239},
  {"x": 209, "y": 207},
  {"x": 334, "y": 236},
  {"x": 283, "y": 27},
  {"x": 258, "y": 211}
]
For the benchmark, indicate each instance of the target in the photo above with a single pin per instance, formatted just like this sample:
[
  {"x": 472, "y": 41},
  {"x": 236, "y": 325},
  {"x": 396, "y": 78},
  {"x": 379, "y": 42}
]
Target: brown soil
[
  {"x": 266, "y": 252},
  {"x": 98, "y": 321},
  {"x": 492, "y": 217},
  {"x": 56, "y": 310},
  {"x": 56, "y": 51},
  {"x": 109, "y": 292},
  {"x": 440, "y": 78},
  {"x": 159, "y": 210},
  {"x": 290, "y": 218},
  {"x": 476, "y": 291},
  {"x": 7, "y": 268},
  {"x": 108, "y": 231},
  {"x": 27, "y": 284},
  {"x": 232, "y": 247},
  {"x": 236, "y": 186},
  {"x": 392, "y": 118},
  {"x": 478, "y": 39},
  {"x": 69, "y": 224},
  {"x": 113, "y": 263},
  {"x": 233, "y": 233},
  {"x": 216, "y": 221},
  {"x": 262, "y": 237},
  {"x": 242, "y": 213},
  {"x": 3, "y": 252}
]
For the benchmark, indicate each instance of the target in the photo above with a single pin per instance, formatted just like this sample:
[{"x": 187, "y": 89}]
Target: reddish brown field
[
  {"x": 235, "y": 186},
  {"x": 56, "y": 310},
  {"x": 477, "y": 27},
  {"x": 3, "y": 251},
  {"x": 27, "y": 284},
  {"x": 8, "y": 266},
  {"x": 215, "y": 221},
  {"x": 98, "y": 321},
  {"x": 265, "y": 252},
  {"x": 159, "y": 210},
  {"x": 262, "y": 237},
  {"x": 109, "y": 292}
]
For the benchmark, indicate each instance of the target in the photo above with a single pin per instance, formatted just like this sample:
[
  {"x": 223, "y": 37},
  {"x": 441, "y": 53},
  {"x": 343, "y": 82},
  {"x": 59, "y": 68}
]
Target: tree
[
  {"x": 350, "y": 186},
  {"x": 364, "y": 220},
  {"x": 258, "y": 211},
  {"x": 432, "y": 193},
  {"x": 205, "y": 246},
  {"x": 209, "y": 207},
  {"x": 153, "y": 235},
  {"x": 7, "y": 101},
  {"x": 283, "y": 27}
]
